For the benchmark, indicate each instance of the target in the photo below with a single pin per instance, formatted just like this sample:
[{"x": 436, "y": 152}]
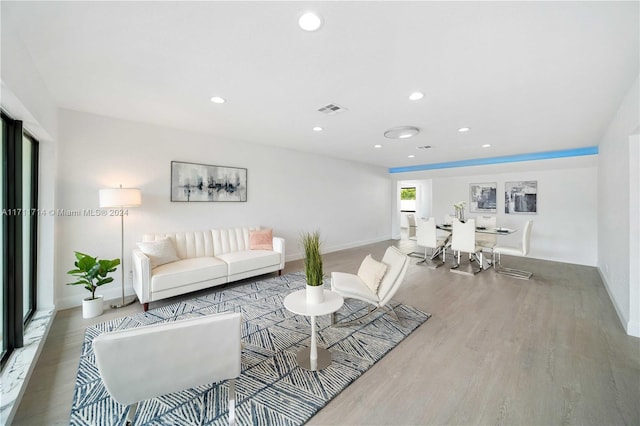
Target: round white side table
[{"x": 313, "y": 358}]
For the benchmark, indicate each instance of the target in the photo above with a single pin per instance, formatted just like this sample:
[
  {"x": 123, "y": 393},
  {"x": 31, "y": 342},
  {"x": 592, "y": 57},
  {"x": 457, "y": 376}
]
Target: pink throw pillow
[{"x": 261, "y": 240}]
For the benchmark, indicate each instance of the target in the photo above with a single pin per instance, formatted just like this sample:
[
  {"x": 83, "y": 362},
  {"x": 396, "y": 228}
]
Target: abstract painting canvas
[
  {"x": 482, "y": 197},
  {"x": 521, "y": 197},
  {"x": 191, "y": 182}
]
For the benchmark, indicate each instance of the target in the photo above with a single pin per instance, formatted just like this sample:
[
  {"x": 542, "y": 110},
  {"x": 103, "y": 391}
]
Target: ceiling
[{"x": 526, "y": 77}]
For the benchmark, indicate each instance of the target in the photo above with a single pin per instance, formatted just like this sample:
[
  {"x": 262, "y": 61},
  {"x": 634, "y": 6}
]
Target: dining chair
[
  {"x": 463, "y": 239},
  {"x": 521, "y": 251},
  {"x": 427, "y": 237},
  {"x": 486, "y": 241},
  {"x": 411, "y": 220}
]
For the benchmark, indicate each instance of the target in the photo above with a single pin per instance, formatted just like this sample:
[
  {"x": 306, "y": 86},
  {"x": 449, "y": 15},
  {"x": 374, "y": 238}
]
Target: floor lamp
[{"x": 121, "y": 198}]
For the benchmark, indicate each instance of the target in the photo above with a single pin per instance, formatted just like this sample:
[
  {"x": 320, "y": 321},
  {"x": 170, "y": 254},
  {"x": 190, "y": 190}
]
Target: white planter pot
[
  {"x": 92, "y": 307},
  {"x": 315, "y": 294}
]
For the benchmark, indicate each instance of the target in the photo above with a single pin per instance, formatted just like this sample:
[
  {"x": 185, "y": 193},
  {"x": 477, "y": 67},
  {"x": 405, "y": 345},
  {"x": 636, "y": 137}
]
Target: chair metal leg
[
  {"x": 371, "y": 310},
  {"x": 131, "y": 414},
  {"x": 232, "y": 402},
  {"x": 516, "y": 273}
]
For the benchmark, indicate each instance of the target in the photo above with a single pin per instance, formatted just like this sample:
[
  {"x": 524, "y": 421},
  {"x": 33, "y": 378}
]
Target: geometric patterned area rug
[{"x": 272, "y": 389}]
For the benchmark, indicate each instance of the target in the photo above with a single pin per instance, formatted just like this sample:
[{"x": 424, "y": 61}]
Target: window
[
  {"x": 408, "y": 199},
  {"x": 18, "y": 235}
]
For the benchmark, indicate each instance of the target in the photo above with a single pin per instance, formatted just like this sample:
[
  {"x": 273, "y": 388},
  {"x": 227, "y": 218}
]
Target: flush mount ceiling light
[
  {"x": 309, "y": 21},
  {"x": 217, "y": 100},
  {"x": 486, "y": 145},
  {"x": 411, "y": 156},
  {"x": 378, "y": 146},
  {"x": 401, "y": 132},
  {"x": 464, "y": 129},
  {"x": 415, "y": 96},
  {"x": 318, "y": 129}
]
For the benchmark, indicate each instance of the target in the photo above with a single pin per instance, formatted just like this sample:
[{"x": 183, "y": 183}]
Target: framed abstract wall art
[
  {"x": 521, "y": 197},
  {"x": 482, "y": 197},
  {"x": 192, "y": 182}
]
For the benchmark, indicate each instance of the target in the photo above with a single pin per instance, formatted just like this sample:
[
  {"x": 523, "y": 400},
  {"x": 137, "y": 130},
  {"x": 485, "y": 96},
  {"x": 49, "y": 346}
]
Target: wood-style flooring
[{"x": 497, "y": 350}]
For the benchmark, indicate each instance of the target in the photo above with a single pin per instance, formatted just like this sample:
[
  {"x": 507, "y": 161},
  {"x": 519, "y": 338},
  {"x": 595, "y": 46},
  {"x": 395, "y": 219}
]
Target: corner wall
[
  {"x": 615, "y": 260},
  {"x": 349, "y": 203}
]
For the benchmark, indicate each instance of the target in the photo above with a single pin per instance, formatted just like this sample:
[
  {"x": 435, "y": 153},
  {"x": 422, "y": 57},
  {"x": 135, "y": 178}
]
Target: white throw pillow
[
  {"x": 159, "y": 251},
  {"x": 371, "y": 272}
]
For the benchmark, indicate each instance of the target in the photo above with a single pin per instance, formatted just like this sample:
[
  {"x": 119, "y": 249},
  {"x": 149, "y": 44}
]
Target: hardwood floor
[{"x": 497, "y": 350}]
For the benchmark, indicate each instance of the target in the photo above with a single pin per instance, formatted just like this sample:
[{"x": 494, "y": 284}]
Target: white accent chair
[
  {"x": 522, "y": 251},
  {"x": 427, "y": 237},
  {"x": 351, "y": 286},
  {"x": 147, "y": 362},
  {"x": 463, "y": 239}
]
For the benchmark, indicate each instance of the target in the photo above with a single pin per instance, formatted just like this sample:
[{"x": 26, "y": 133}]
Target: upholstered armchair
[
  {"x": 375, "y": 283},
  {"x": 147, "y": 362}
]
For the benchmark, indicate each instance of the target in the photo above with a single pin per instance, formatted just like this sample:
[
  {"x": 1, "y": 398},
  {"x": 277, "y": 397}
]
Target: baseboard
[
  {"x": 631, "y": 328},
  {"x": 338, "y": 247},
  {"x": 109, "y": 294}
]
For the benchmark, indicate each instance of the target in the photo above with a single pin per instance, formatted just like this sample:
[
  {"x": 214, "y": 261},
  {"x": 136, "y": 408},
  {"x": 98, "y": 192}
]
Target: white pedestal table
[{"x": 313, "y": 358}]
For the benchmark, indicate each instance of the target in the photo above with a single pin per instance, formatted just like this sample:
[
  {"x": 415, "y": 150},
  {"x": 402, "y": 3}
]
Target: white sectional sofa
[{"x": 170, "y": 264}]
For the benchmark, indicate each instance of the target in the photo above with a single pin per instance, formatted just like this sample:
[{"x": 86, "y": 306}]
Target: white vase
[
  {"x": 315, "y": 294},
  {"x": 92, "y": 307}
]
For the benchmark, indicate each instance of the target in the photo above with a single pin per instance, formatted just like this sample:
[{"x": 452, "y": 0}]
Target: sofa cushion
[
  {"x": 159, "y": 252},
  {"x": 187, "y": 271},
  {"x": 248, "y": 260},
  {"x": 261, "y": 239}
]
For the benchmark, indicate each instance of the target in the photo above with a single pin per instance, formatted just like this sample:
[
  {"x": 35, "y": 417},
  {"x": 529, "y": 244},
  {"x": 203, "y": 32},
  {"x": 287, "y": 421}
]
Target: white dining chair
[
  {"x": 486, "y": 241},
  {"x": 463, "y": 239},
  {"x": 522, "y": 251},
  {"x": 411, "y": 221},
  {"x": 427, "y": 237}
]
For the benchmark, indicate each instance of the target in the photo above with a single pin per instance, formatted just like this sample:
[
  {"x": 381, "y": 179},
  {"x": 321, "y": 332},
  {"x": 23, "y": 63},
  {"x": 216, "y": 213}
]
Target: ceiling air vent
[{"x": 331, "y": 109}]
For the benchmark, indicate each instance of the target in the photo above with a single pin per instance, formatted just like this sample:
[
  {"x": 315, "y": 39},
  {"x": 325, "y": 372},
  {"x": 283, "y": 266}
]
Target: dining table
[{"x": 479, "y": 230}]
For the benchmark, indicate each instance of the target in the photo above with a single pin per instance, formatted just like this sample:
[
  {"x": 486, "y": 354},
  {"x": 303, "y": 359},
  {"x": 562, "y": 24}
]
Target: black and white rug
[{"x": 272, "y": 389}]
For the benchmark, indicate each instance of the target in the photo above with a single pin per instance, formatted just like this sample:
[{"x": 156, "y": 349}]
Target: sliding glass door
[{"x": 18, "y": 233}]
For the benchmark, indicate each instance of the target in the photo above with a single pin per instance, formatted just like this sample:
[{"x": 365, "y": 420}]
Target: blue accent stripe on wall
[{"x": 576, "y": 152}]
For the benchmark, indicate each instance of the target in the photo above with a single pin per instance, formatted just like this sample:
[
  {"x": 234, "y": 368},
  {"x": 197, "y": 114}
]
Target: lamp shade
[{"x": 120, "y": 197}]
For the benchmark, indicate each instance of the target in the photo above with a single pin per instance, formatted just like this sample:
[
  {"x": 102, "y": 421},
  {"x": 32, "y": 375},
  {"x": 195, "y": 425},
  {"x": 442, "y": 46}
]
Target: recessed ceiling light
[
  {"x": 486, "y": 145},
  {"x": 217, "y": 100},
  {"x": 415, "y": 96},
  {"x": 318, "y": 129},
  {"x": 309, "y": 21},
  {"x": 377, "y": 146},
  {"x": 411, "y": 156},
  {"x": 401, "y": 132},
  {"x": 464, "y": 129}
]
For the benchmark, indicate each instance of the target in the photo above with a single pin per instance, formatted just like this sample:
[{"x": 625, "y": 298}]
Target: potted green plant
[
  {"x": 313, "y": 266},
  {"x": 92, "y": 273}
]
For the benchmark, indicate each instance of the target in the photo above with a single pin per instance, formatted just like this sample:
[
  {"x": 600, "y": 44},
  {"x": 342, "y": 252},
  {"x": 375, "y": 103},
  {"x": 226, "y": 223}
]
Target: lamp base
[{"x": 123, "y": 303}]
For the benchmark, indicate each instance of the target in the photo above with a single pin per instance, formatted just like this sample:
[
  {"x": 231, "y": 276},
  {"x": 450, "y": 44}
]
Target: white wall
[
  {"x": 615, "y": 259},
  {"x": 349, "y": 203},
  {"x": 25, "y": 97},
  {"x": 567, "y": 203}
]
